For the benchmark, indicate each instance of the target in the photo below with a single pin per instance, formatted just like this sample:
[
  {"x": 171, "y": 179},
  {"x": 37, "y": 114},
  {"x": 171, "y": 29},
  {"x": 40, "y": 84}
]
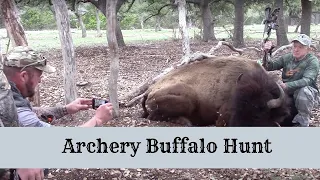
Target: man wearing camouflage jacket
[
  {"x": 8, "y": 112},
  {"x": 23, "y": 68},
  {"x": 299, "y": 76}
]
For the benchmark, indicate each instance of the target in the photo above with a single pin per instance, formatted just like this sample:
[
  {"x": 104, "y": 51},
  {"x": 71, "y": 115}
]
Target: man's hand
[
  {"x": 78, "y": 105},
  {"x": 267, "y": 46},
  {"x": 103, "y": 113},
  {"x": 283, "y": 85},
  {"x": 30, "y": 174}
]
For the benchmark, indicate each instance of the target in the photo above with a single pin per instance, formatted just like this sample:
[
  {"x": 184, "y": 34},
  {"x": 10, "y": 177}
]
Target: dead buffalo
[{"x": 220, "y": 91}]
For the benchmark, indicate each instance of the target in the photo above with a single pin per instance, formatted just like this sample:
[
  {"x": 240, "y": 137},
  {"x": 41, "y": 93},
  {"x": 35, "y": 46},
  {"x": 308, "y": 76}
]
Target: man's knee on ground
[
  {"x": 305, "y": 92},
  {"x": 305, "y": 98}
]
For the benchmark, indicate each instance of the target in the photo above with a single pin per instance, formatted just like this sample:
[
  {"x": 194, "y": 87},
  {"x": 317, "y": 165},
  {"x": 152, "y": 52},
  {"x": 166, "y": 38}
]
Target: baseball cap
[
  {"x": 24, "y": 56},
  {"x": 303, "y": 39}
]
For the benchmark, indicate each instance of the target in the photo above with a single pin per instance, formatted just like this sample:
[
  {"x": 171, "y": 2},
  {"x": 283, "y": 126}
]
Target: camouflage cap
[
  {"x": 303, "y": 39},
  {"x": 23, "y": 56}
]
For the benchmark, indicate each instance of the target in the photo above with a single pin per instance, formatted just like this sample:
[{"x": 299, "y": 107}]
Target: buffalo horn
[
  {"x": 239, "y": 77},
  {"x": 274, "y": 103}
]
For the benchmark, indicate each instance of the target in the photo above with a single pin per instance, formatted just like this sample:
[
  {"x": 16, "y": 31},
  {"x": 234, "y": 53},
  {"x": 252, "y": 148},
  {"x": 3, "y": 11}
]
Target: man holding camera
[{"x": 23, "y": 68}]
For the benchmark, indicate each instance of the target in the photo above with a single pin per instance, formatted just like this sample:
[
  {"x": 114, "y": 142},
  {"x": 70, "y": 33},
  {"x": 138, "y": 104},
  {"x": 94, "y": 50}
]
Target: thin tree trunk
[
  {"x": 101, "y": 5},
  {"x": 297, "y": 27},
  {"x": 238, "y": 24},
  {"x": 114, "y": 54},
  {"x": 282, "y": 38},
  {"x": 306, "y": 16},
  {"x": 12, "y": 23},
  {"x": 286, "y": 23},
  {"x": 35, "y": 99},
  {"x": 16, "y": 34},
  {"x": 63, "y": 24},
  {"x": 183, "y": 28},
  {"x": 141, "y": 22},
  {"x": 80, "y": 21},
  {"x": 157, "y": 28},
  {"x": 208, "y": 32},
  {"x": 99, "y": 34},
  {"x": 119, "y": 35}
]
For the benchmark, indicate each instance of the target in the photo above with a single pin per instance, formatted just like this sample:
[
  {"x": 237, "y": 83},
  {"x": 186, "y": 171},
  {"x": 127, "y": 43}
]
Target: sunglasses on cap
[{"x": 41, "y": 62}]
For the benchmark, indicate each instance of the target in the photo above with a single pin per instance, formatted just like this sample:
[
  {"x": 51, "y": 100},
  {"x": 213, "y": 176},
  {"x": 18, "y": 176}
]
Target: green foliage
[
  {"x": 223, "y": 13},
  {"x": 37, "y": 14},
  {"x": 254, "y": 15},
  {"x": 89, "y": 18},
  {"x": 33, "y": 18},
  {"x": 130, "y": 21}
]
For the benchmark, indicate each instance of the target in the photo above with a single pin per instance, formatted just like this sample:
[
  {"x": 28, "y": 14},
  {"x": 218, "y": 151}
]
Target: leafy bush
[{"x": 33, "y": 18}]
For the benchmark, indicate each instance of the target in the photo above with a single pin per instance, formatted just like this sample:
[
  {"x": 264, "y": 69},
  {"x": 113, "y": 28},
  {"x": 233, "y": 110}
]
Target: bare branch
[
  {"x": 159, "y": 11},
  {"x": 134, "y": 100},
  {"x": 17, "y": 1},
  {"x": 228, "y": 31},
  {"x": 197, "y": 2},
  {"x": 240, "y": 51},
  {"x": 73, "y": 5},
  {"x": 281, "y": 49},
  {"x": 130, "y": 6}
]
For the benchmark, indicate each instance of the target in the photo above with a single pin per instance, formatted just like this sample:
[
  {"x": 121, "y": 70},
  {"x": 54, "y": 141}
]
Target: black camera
[{"x": 96, "y": 102}]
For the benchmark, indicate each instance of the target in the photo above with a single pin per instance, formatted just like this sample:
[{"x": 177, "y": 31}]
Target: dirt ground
[{"x": 137, "y": 63}]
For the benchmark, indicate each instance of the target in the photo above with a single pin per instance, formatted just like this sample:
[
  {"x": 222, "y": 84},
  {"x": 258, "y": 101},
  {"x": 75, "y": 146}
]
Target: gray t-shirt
[{"x": 28, "y": 118}]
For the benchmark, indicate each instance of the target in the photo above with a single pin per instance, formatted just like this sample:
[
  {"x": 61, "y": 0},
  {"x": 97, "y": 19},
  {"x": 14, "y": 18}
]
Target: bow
[{"x": 270, "y": 22}]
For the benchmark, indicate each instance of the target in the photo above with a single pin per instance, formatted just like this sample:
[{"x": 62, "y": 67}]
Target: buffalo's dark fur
[
  {"x": 249, "y": 101},
  {"x": 221, "y": 91}
]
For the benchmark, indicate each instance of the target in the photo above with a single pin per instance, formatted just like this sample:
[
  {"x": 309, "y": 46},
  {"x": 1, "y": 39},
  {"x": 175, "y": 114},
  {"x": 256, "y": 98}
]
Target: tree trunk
[
  {"x": 238, "y": 24},
  {"x": 119, "y": 36},
  {"x": 16, "y": 34},
  {"x": 306, "y": 17},
  {"x": 282, "y": 38},
  {"x": 114, "y": 54},
  {"x": 35, "y": 99},
  {"x": 208, "y": 28},
  {"x": 286, "y": 23},
  {"x": 12, "y": 23},
  {"x": 158, "y": 27},
  {"x": 99, "y": 34},
  {"x": 101, "y": 5},
  {"x": 317, "y": 18},
  {"x": 183, "y": 28},
  {"x": 63, "y": 25},
  {"x": 297, "y": 27},
  {"x": 80, "y": 21},
  {"x": 141, "y": 22}
]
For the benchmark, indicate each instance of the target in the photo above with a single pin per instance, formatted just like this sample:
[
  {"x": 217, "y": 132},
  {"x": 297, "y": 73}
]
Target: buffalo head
[{"x": 258, "y": 100}]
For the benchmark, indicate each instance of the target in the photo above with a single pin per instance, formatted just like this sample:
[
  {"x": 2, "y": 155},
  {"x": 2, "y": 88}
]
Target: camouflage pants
[{"x": 305, "y": 100}]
